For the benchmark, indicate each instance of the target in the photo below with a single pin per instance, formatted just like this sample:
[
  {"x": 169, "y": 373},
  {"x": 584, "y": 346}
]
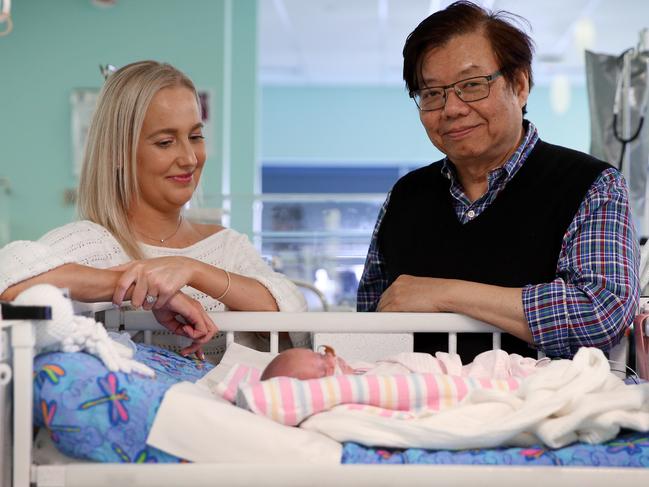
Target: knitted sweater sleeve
[{"x": 81, "y": 242}]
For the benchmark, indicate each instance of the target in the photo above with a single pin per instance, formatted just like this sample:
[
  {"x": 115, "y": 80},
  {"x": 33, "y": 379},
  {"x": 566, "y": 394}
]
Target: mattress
[
  {"x": 92, "y": 413},
  {"x": 629, "y": 449}
]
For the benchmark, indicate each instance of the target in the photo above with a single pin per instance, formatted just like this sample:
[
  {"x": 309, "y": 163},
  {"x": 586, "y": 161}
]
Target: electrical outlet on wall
[{"x": 69, "y": 197}]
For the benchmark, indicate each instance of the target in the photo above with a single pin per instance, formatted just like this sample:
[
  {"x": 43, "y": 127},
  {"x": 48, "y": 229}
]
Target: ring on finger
[{"x": 150, "y": 299}]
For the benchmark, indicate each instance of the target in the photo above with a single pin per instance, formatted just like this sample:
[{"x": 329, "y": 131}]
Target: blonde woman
[{"x": 143, "y": 162}]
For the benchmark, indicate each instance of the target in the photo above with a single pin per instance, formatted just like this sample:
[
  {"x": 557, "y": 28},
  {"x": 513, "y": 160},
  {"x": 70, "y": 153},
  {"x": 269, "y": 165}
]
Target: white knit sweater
[{"x": 87, "y": 243}]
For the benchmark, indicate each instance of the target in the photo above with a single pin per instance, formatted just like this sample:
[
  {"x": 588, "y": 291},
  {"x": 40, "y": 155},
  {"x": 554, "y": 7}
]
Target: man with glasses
[{"x": 533, "y": 238}]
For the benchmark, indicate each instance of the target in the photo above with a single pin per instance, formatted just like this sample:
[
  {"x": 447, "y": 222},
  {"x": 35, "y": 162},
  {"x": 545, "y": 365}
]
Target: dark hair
[{"x": 512, "y": 47}]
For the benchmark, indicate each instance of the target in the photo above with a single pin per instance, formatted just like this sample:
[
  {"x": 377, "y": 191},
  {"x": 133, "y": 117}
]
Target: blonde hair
[{"x": 108, "y": 182}]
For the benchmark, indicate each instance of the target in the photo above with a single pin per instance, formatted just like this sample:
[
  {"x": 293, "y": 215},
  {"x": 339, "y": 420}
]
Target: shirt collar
[{"x": 513, "y": 164}]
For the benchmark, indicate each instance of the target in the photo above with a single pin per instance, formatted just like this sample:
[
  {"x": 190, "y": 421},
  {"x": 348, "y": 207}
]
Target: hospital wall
[
  {"x": 369, "y": 124},
  {"x": 57, "y": 46}
]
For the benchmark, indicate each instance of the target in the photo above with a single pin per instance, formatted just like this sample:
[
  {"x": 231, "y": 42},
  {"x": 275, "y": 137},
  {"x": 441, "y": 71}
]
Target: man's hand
[
  {"x": 500, "y": 306},
  {"x": 196, "y": 325},
  {"x": 415, "y": 294}
]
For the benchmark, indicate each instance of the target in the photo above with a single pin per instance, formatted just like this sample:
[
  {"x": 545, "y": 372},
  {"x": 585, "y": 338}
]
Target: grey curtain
[{"x": 626, "y": 76}]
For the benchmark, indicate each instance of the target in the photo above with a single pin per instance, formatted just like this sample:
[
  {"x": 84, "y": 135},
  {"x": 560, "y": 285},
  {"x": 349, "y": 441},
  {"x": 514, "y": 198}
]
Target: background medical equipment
[{"x": 618, "y": 92}]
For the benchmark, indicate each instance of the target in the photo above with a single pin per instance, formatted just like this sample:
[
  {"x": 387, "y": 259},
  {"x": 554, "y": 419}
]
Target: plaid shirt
[{"x": 594, "y": 296}]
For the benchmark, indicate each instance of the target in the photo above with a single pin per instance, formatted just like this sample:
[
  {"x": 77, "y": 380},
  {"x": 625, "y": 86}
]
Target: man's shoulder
[
  {"x": 422, "y": 176},
  {"x": 566, "y": 155}
]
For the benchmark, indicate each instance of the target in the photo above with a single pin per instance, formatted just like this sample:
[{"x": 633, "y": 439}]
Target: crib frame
[{"x": 26, "y": 473}]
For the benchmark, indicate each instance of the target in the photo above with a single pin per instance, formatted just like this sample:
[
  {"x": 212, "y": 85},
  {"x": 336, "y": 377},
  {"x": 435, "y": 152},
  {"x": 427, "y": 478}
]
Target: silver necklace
[{"x": 163, "y": 240}]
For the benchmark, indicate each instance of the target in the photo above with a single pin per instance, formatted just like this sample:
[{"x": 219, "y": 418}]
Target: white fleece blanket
[
  {"x": 195, "y": 424},
  {"x": 492, "y": 364},
  {"x": 566, "y": 401}
]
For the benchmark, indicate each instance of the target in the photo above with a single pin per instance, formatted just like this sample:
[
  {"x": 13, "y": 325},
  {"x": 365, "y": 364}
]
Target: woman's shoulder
[
  {"x": 206, "y": 230},
  {"x": 77, "y": 230},
  {"x": 211, "y": 233},
  {"x": 86, "y": 240},
  {"x": 210, "y": 239},
  {"x": 83, "y": 242}
]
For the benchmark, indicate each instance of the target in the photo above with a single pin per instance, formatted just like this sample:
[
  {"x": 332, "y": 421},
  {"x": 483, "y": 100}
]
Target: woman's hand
[
  {"x": 196, "y": 325},
  {"x": 160, "y": 277}
]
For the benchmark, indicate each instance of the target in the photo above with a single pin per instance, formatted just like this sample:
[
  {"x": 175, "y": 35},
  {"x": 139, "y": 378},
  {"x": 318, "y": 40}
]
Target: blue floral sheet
[
  {"x": 94, "y": 414},
  {"x": 630, "y": 449}
]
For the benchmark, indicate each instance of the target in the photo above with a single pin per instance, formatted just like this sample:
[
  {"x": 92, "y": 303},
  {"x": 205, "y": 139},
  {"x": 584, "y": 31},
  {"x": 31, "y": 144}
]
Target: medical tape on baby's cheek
[{"x": 326, "y": 350}]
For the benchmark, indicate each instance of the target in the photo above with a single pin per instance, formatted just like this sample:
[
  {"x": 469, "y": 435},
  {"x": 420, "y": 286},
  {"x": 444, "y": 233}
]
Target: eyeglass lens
[{"x": 472, "y": 89}]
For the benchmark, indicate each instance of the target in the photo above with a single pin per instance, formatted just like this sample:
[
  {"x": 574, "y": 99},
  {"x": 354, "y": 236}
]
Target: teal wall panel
[
  {"x": 56, "y": 47},
  {"x": 381, "y": 124}
]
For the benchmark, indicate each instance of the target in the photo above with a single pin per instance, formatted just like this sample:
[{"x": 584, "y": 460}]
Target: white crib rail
[
  {"x": 322, "y": 322},
  {"x": 21, "y": 331},
  {"x": 22, "y": 342}
]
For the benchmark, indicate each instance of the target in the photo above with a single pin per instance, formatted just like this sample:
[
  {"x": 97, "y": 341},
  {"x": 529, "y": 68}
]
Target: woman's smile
[{"x": 182, "y": 178}]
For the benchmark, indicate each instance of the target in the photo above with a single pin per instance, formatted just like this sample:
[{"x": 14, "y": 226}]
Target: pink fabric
[
  {"x": 316, "y": 396},
  {"x": 433, "y": 396},
  {"x": 230, "y": 385},
  {"x": 290, "y": 401},
  {"x": 260, "y": 400},
  {"x": 373, "y": 386},
  {"x": 461, "y": 387},
  {"x": 345, "y": 387},
  {"x": 492, "y": 364},
  {"x": 403, "y": 393},
  {"x": 287, "y": 399}
]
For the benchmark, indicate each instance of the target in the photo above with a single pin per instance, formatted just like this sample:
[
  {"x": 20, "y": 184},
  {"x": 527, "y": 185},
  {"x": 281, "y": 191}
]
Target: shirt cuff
[{"x": 545, "y": 310}]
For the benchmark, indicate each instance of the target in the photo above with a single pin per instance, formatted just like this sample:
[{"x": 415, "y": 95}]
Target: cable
[
  {"x": 623, "y": 140},
  {"x": 626, "y": 73}
]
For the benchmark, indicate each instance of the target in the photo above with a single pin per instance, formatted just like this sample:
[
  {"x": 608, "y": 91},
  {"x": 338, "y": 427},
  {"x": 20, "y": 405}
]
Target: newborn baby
[
  {"x": 299, "y": 383},
  {"x": 301, "y": 363}
]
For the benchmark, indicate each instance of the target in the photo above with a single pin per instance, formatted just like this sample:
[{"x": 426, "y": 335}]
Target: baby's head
[{"x": 301, "y": 363}]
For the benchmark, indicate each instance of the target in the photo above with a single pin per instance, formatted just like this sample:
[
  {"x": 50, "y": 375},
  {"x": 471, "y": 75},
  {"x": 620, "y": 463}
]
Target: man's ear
[{"x": 521, "y": 87}]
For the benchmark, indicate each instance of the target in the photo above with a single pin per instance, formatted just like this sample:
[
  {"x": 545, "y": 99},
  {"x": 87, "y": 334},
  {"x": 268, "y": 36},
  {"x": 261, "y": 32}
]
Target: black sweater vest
[{"x": 514, "y": 242}]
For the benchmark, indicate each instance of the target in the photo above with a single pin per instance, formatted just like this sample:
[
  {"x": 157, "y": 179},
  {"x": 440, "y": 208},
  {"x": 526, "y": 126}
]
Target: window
[{"x": 317, "y": 221}]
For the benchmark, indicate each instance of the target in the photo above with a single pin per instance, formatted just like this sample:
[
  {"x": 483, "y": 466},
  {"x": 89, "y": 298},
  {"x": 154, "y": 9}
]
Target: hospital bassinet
[{"x": 18, "y": 468}]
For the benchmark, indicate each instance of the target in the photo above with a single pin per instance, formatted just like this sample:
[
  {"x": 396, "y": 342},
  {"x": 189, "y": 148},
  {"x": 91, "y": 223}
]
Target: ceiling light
[
  {"x": 560, "y": 94},
  {"x": 584, "y": 34}
]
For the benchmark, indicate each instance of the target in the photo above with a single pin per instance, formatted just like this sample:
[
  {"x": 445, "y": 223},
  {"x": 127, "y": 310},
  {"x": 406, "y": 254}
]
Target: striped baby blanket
[{"x": 289, "y": 401}]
